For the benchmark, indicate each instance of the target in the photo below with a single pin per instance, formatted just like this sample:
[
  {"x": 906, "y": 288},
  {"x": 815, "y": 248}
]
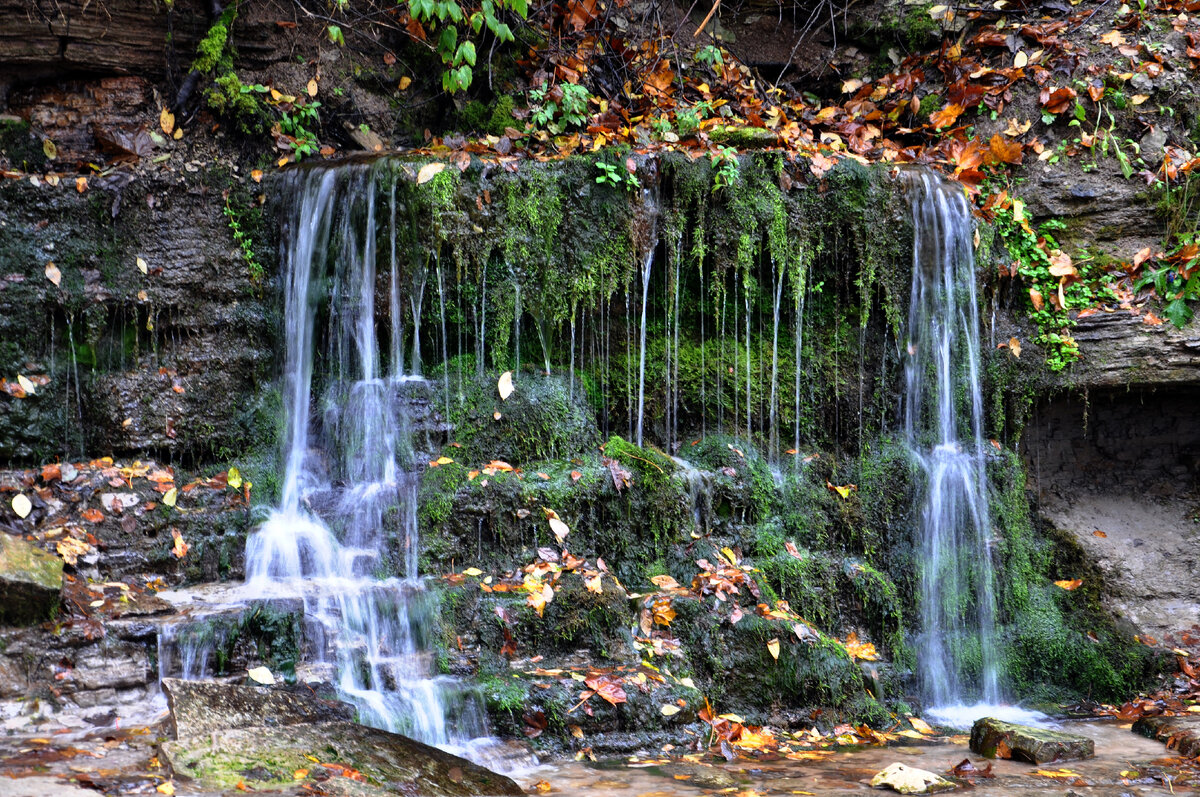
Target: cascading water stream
[
  {"x": 348, "y": 513},
  {"x": 943, "y": 428}
]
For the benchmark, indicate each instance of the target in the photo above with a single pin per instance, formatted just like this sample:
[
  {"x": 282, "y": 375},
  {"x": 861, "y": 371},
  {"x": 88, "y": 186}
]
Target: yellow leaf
[
  {"x": 312, "y": 87},
  {"x": 178, "y": 134},
  {"x": 52, "y": 273},
  {"x": 444, "y": 460},
  {"x": 261, "y": 675},
  {"x": 593, "y": 584},
  {"x": 300, "y": 774},
  {"x": 429, "y": 171},
  {"x": 728, "y": 554},
  {"x": 171, "y": 496},
  {"x": 496, "y": 416},
  {"x": 1014, "y": 345},
  {"x": 96, "y": 603},
  {"x": 234, "y": 478},
  {"x": 142, "y": 267},
  {"x": 49, "y": 149},
  {"x": 505, "y": 386},
  {"x": 256, "y": 175},
  {"x": 1138, "y": 99},
  {"x": 688, "y": 682},
  {"x": 472, "y": 571},
  {"x": 166, "y": 120},
  {"x": 167, "y": 788},
  {"x": 732, "y": 718},
  {"x": 1069, "y": 584},
  {"x": 26, "y": 385},
  {"x": 405, "y": 82},
  {"x": 576, "y": 731},
  {"x": 669, "y": 710},
  {"x": 1021, "y": 59},
  {"x": 920, "y": 726},
  {"x": 773, "y": 646},
  {"x": 560, "y": 529}
]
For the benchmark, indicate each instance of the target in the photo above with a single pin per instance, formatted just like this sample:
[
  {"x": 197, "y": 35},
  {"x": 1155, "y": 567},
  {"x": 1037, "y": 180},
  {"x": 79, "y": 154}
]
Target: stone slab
[
  {"x": 1180, "y": 734},
  {"x": 994, "y": 738},
  {"x": 267, "y": 758},
  {"x": 203, "y": 707}
]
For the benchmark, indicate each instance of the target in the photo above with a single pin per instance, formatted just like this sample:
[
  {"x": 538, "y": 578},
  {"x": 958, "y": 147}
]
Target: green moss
[{"x": 234, "y": 100}]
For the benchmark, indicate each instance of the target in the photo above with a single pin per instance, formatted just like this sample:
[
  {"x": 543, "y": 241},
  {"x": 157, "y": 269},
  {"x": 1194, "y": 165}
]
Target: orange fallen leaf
[{"x": 1069, "y": 584}]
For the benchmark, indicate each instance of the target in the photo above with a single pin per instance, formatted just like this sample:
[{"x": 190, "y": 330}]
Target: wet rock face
[
  {"x": 173, "y": 359},
  {"x": 30, "y": 581},
  {"x": 997, "y": 739},
  {"x": 228, "y": 734}
]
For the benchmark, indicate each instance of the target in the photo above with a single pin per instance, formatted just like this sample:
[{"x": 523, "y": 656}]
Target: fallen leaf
[
  {"x": 505, "y": 386},
  {"x": 1098, "y": 533},
  {"x": 26, "y": 384},
  {"x": 261, "y": 675},
  {"x": 171, "y": 497},
  {"x": 1014, "y": 346},
  {"x": 920, "y": 726},
  {"x": 234, "y": 478},
  {"x": 92, "y": 515},
  {"x": 166, "y": 120},
  {"x": 669, "y": 710},
  {"x": 773, "y": 647},
  {"x": 1069, "y": 584},
  {"x": 22, "y": 505},
  {"x": 180, "y": 548},
  {"x": 141, "y": 265},
  {"x": 53, "y": 274},
  {"x": 560, "y": 529},
  {"x": 429, "y": 171}
]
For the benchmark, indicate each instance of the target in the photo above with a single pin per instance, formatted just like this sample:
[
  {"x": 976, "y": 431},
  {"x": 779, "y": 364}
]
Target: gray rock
[
  {"x": 275, "y": 738},
  {"x": 1181, "y": 733},
  {"x": 910, "y": 780},
  {"x": 1152, "y": 146},
  {"x": 203, "y": 707},
  {"x": 30, "y": 582},
  {"x": 265, "y": 757},
  {"x": 995, "y": 738}
]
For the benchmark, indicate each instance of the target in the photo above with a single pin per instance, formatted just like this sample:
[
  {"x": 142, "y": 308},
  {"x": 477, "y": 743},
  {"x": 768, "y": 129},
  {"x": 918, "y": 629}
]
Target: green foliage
[
  {"x": 559, "y": 108},
  {"x": 1033, "y": 264},
  {"x": 298, "y": 124},
  {"x": 726, "y": 168},
  {"x": 245, "y": 243},
  {"x": 454, "y": 47},
  {"x": 616, "y": 175},
  {"x": 688, "y": 119},
  {"x": 1176, "y": 276},
  {"x": 709, "y": 55}
]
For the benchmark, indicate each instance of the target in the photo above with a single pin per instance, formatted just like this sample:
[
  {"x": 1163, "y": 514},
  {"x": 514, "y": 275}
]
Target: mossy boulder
[
  {"x": 995, "y": 738},
  {"x": 30, "y": 582}
]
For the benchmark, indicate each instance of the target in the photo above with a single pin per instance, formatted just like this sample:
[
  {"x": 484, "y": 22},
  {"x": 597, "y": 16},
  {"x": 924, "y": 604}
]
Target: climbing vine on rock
[{"x": 455, "y": 26}]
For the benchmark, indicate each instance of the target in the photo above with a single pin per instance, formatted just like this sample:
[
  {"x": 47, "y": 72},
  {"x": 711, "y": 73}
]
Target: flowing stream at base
[
  {"x": 943, "y": 429},
  {"x": 348, "y": 513}
]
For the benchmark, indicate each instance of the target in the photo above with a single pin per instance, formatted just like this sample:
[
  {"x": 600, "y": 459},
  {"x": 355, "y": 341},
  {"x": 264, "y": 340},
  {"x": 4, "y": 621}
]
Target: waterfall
[
  {"x": 348, "y": 513},
  {"x": 943, "y": 428}
]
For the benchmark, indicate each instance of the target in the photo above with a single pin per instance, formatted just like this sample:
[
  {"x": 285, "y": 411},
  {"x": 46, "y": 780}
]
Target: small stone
[
  {"x": 910, "y": 780},
  {"x": 30, "y": 582},
  {"x": 1153, "y": 146},
  {"x": 994, "y": 738}
]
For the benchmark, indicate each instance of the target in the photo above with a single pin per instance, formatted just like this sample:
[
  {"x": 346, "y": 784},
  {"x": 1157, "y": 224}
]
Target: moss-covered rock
[{"x": 30, "y": 582}]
